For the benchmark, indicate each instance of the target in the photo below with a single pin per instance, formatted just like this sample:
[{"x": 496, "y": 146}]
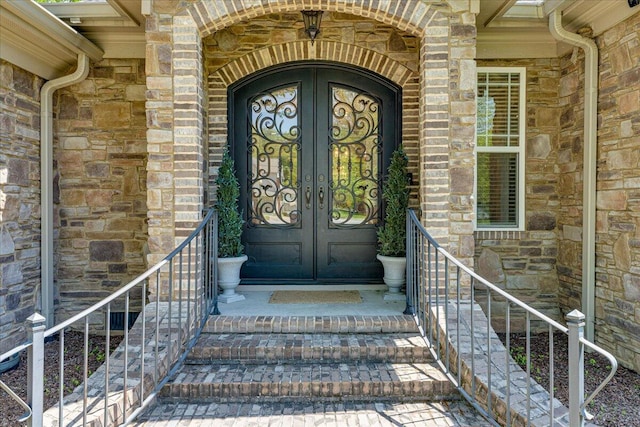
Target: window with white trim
[{"x": 500, "y": 137}]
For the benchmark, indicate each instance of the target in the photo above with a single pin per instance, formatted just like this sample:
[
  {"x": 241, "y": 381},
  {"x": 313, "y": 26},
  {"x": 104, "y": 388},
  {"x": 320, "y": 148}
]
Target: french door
[{"x": 311, "y": 144}]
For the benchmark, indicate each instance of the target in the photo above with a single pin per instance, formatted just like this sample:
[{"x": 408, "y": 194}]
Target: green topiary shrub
[
  {"x": 229, "y": 217},
  {"x": 392, "y": 234}
]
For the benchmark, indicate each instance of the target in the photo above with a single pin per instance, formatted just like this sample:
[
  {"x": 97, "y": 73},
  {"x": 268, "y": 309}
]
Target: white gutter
[
  {"x": 46, "y": 179},
  {"x": 47, "y": 23},
  {"x": 589, "y": 167}
]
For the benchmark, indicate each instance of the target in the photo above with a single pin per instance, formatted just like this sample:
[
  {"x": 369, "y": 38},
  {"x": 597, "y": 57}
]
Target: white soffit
[
  {"x": 518, "y": 44},
  {"x": 599, "y": 15},
  {"x": 113, "y": 25},
  {"x": 37, "y": 41},
  {"x": 119, "y": 44},
  {"x": 95, "y": 13},
  {"x": 519, "y": 28}
]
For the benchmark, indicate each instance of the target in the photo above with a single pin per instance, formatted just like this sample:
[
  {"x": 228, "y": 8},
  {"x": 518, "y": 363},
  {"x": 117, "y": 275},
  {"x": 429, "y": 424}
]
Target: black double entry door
[{"x": 311, "y": 144}]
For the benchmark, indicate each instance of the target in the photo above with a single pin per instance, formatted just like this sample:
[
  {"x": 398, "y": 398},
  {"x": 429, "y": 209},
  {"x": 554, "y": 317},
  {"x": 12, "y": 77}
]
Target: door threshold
[{"x": 313, "y": 287}]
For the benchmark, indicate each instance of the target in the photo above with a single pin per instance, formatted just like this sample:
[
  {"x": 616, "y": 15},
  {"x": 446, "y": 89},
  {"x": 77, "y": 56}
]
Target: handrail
[
  {"x": 17, "y": 398},
  {"x": 436, "y": 281},
  {"x": 506, "y": 295},
  {"x": 502, "y": 293},
  {"x": 120, "y": 292},
  {"x": 189, "y": 277},
  {"x": 612, "y": 372},
  {"x": 14, "y": 350}
]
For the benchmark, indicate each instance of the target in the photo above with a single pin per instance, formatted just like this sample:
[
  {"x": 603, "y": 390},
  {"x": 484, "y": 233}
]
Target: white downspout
[
  {"x": 590, "y": 165},
  {"x": 46, "y": 180}
]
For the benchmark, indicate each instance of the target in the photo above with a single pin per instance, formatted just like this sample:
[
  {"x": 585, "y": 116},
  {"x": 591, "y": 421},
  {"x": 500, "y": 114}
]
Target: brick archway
[
  {"x": 177, "y": 104},
  {"x": 413, "y": 16},
  {"x": 321, "y": 51}
]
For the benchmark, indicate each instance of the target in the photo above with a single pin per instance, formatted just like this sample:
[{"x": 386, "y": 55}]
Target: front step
[
  {"x": 321, "y": 348},
  {"x": 313, "y": 358},
  {"x": 302, "y": 414},
  {"x": 310, "y": 324},
  {"x": 286, "y": 382}
]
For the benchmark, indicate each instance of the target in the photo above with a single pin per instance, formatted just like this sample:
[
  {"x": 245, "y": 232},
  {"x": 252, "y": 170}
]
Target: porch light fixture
[{"x": 312, "y": 19}]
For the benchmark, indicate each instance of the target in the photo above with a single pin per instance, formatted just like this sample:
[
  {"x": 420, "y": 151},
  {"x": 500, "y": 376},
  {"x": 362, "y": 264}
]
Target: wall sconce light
[{"x": 312, "y": 20}]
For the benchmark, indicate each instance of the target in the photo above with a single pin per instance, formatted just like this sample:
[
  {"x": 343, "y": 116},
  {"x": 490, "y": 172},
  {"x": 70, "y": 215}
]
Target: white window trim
[{"x": 520, "y": 149}]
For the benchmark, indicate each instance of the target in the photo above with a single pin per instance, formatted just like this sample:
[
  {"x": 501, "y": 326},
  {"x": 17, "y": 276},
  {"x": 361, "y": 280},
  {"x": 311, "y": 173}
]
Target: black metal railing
[
  {"x": 184, "y": 292},
  {"x": 453, "y": 308}
]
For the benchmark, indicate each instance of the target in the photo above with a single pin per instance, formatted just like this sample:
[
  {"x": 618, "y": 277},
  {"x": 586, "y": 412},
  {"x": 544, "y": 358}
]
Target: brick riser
[
  {"x": 311, "y": 324},
  {"x": 319, "y": 348},
  {"x": 279, "y": 359},
  {"x": 369, "y": 381}
]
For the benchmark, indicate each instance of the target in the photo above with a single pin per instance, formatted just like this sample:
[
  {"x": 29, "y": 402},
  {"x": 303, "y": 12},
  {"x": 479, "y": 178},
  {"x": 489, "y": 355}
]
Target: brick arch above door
[
  {"x": 323, "y": 51},
  {"x": 413, "y": 16}
]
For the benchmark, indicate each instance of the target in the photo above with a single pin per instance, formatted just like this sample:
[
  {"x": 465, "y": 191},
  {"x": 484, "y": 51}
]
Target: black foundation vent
[{"x": 116, "y": 320}]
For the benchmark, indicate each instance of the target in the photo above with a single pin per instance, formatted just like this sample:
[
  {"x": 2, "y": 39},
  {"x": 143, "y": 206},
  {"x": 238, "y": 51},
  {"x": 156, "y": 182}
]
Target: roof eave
[{"x": 37, "y": 41}]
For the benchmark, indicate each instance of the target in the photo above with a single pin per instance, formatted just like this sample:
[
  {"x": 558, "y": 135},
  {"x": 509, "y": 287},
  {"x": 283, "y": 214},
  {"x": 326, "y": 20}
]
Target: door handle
[
  {"x": 321, "y": 197},
  {"x": 308, "y": 196}
]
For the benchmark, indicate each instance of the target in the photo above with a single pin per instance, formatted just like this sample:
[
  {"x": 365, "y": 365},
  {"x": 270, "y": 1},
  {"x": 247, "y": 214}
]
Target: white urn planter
[
  {"x": 229, "y": 278},
  {"x": 394, "y": 276}
]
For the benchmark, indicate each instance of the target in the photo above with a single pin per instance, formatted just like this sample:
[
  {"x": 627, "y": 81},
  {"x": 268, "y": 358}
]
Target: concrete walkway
[
  {"x": 337, "y": 414},
  {"x": 257, "y": 303}
]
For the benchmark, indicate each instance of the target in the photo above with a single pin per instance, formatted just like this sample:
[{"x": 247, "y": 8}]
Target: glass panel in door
[
  {"x": 273, "y": 146},
  {"x": 354, "y": 160}
]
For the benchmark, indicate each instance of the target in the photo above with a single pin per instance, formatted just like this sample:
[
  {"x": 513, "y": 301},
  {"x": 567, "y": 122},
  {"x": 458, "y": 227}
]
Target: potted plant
[
  {"x": 230, "y": 256},
  {"x": 392, "y": 234}
]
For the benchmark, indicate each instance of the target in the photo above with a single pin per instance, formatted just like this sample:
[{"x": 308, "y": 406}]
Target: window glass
[
  {"x": 497, "y": 191},
  {"x": 498, "y": 107},
  {"x": 500, "y": 148}
]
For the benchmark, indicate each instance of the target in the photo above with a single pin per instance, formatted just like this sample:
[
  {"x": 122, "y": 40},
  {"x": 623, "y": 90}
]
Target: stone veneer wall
[
  {"x": 100, "y": 195},
  {"x": 239, "y": 50},
  {"x": 446, "y": 80},
  {"x": 617, "y": 322},
  {"x": 618, "y": 194},
  {"x": 570, "y": 177},
  {"x": 524, "y": 262},
  {"x": 19, "y": 200}
]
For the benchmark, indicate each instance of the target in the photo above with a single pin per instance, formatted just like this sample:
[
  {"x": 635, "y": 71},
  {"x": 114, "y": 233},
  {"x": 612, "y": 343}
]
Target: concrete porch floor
[{"x": 256, "y": 303}]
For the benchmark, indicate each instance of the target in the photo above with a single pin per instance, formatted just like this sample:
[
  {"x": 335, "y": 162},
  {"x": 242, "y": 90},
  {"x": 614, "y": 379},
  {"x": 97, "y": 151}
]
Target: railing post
[
  {"x": 214, "y": 263},
  {"x": 575, "y": 323},
  {"x": 35, "y": 369},
  {"x": 408, "y": 289}
]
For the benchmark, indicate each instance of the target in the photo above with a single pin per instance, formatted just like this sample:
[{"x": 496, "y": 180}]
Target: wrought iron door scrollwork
[
  {"x": 273, "y": 150},
  {"x": 354, "y": 152}
]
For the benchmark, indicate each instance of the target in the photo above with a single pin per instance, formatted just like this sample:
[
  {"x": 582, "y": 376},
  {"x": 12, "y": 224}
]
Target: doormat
[{"x": 315, "y": 297}]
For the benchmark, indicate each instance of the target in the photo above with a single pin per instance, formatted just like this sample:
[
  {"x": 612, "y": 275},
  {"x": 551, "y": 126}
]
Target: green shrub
[
  {"x": 229, "y": 217},
  {"x": 392, "y": 235}
]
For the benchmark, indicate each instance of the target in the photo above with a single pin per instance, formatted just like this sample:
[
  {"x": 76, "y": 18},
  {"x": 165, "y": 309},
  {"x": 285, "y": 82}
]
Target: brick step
[
  {"x": 350, "y": 382},
  {"x": 311, "y": 324},
  {"x": 453, "y": 413},
  {"x": 320, "y": 348}
]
